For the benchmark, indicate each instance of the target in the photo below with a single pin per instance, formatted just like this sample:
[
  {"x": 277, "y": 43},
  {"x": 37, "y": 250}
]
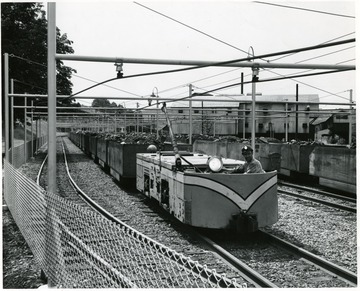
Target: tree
[
  {"x": 24, "y": 38},
  {"x": 101, "y": 102}
]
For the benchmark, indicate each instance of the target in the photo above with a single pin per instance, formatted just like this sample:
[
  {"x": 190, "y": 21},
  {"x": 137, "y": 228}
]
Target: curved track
[
  {"x": 245, "y": 268},
  {"x": 98, "y": 205}
]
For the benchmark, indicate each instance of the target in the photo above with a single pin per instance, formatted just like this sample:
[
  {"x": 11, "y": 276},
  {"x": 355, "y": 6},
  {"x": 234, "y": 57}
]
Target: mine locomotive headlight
[{"x": 215, "y": 164}]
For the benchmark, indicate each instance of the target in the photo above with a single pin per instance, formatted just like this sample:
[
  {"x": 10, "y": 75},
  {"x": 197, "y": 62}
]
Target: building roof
[{"x": 321, "y": 119}]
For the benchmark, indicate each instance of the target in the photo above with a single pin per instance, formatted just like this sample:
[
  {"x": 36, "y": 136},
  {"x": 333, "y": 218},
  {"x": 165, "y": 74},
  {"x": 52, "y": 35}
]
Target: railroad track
[
  {"x": 319, "y": 196},
  {"x": 269, "y": 261},
  {"x": 321, "y": 263},
  {"x": 99, "y": 205},
  {"x": 247, "y": 271},
  {"x": 344, "y": 196}
]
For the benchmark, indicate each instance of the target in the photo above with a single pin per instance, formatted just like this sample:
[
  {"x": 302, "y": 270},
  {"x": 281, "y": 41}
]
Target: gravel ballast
[{"x": 327, "y": 232}]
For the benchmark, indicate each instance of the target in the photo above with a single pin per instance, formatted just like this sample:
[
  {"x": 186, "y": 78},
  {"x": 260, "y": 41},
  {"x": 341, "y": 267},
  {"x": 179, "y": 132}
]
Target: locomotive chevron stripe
[{"x": 244, "y": 204}]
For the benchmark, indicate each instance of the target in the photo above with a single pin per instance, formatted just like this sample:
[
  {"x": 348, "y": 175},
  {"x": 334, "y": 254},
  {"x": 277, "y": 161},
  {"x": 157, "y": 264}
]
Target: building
[
  {"x": 231, "y": 115},
  {"x": 333, "y": 128}
]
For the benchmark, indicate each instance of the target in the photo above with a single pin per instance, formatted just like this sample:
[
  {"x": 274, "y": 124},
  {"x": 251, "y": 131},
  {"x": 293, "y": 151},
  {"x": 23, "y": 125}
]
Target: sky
[{"x": 208, "y": 31}]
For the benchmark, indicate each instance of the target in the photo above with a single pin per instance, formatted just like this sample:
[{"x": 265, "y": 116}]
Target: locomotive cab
[{"x": 201, "y": 192}]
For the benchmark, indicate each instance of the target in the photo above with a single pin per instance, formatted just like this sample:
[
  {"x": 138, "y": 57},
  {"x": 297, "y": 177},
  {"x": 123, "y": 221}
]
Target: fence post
[
  {"x": 32, "y": 133},
  {"x": 12, "y": 112},
  {"x": 25, "y": 130}
]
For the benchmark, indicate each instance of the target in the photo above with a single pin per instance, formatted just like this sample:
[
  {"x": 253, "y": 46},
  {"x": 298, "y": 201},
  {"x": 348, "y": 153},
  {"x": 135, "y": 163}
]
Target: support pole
[
  {"x": 190, "y": 114},
  {"x": 244, "y": 121},
  {"x": 51, "y": 267},
  {"x": 12, "y": 112},
  {"x": 297, "y": 114},
  {"x": 125, "y": 122},
  {"x": 6, "y": 90},
  {"x": 37, "y": 135},
  {"x": 255, "y": 72},
  {"x": 350, "y": 117},
  {"x": 286, "y": 121},
  {"x": 25, "y": 131},
  {"x": 52, "y": 97},
  {"x": 115, "y": 125},
  {"x": 32, "y": 132}
]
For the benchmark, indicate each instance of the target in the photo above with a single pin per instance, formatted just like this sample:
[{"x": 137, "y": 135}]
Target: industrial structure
[{"x": 224, "y": 115}]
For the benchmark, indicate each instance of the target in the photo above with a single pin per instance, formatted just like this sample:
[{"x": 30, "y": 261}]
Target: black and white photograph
[{"x": 166, "y": 144}]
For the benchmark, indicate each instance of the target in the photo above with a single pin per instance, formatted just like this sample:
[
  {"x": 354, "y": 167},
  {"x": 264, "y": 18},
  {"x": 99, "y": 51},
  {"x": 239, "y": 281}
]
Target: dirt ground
[{"x": 19, "y": 268}]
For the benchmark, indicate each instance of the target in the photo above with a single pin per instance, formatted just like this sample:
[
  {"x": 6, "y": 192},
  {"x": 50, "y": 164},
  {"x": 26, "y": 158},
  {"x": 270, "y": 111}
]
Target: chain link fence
[{"x": 78, "y": 248}]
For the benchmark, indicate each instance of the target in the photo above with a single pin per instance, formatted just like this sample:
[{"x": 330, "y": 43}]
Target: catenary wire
[
  {"x": 305, "y": 9},
  {"x": 216, "y": 64},
  {"x": 87, "y": 79},
  {"x": 248, "y": 82},
  {"x": 270, "y": 70},
  {"x": 188, "y": 26},
  {"x": 339, "y": 37},
  {"x": 73, "y": 74},
  {"x": 293, "y": 73},
  {"x": 342, "y": 36},
  {"x": 28, "y": 84}
]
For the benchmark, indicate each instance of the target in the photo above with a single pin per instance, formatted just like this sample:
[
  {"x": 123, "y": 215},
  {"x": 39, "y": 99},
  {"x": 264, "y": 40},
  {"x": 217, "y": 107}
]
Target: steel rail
[
  {"x": 40, "y": 171},
  {"x": 324, "y": 202},
  {"x": 342, "y": 197},
  {"x": 122, "y": 280},
  {"x": 250, "y": 274},
  {"x": 186, "y": 262},
  {"x": 328, "y": 266}
]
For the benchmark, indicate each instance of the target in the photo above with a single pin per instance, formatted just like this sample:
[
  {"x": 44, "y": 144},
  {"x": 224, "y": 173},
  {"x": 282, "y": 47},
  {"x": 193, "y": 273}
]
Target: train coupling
[{"x": 243, "y": 223}]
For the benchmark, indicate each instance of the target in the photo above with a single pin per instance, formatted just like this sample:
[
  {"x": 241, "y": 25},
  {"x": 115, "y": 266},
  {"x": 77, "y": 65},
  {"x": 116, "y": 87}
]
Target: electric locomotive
[{"x": 200, "y": 190}]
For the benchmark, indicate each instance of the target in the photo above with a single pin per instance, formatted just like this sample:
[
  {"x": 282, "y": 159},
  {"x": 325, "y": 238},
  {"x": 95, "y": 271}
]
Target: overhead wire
[
  {"x": 324, "y": 55},
  {"x": 314, "y": 87},
  {"x": 28, "y": 84},
  {"x": 195, "y": 67},
  {"x": 226, "y": 42},
  {"x": 271, "y": 71},
  {"x": 177, "y": 70},
  {"x": 216, "y": 64},
  {"x": 27, "y": 60},
  {"x": 102, "y": 83},
  {"x": 87, "y": 79},
  {"x": 188, "y": 26},
  {"x": 277, "y": 59},
  {"x": 248, "y": 82},
  {"x": 305, "y": 9},
  {"x": 336, "y": 38},
  {"x": 73, "y": 74}
]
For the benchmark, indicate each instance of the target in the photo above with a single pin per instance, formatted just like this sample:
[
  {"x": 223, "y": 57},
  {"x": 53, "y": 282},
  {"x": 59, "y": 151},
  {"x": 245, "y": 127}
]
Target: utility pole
[
  {"x": 6, "y": 91},
  {"x": 157, "y": 109},
  {"x": 255, "y": 72},
  {"x": 25, "y": 130},
  {"x": 32, "y": 133},
  {"x": 244, "y": 121},
  {"x": 12, "y": 124},
  {"x": 286, "y": 120},
  {"x": 350, "y": 117},
  {"x": 190, "y": 114},
  {"x": 51, "y": 97},
  {"x": 296, "y": 112}
]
